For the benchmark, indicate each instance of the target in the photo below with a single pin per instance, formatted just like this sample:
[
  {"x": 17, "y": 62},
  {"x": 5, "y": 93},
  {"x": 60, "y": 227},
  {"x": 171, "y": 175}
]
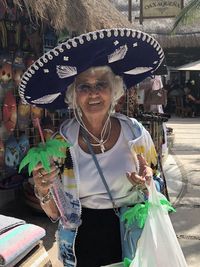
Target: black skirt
[{"x": 98, "y": 241}]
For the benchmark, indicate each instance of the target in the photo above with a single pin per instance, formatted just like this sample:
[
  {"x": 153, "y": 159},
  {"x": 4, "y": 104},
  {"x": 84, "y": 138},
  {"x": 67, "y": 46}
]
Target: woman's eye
[
  {"x": 85, "y": 87},
  {"x": 102, "y": 85}
]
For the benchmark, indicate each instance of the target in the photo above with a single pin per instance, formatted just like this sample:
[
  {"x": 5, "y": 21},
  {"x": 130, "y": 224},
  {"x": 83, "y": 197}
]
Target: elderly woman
[{"x": 92, "y": 238}]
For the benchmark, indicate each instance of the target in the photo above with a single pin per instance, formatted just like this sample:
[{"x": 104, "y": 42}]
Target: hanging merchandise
[
  {"x": 23, "y": 116},
  {"x": 12, "y": 26},
  {"x": 3, "y": 132},
  {"x": 36, "y": 113},
  {"x": 12, "y": 153},
  {"x": 156, "y": 97},
  {"x": 17, "y": 75},
  {"x": 158, "y": 245},
  {"x": 2, "y": 152},
  {"x": 24, "y": 146},
  {"x": 6, "y": 71},
  {"x": 2, "y": 10},
  {"x": 48, "y": 127},
  {"x": 49, "y": 39},
  {"x": 29, "y": 59},
  {"x": 9, "y": 112},
  {"x": 18, "y": 62}
]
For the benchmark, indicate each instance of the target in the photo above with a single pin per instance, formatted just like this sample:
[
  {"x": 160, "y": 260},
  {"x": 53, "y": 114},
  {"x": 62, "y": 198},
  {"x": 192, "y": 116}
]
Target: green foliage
[
  {"x": 43, "y": 154},
  {"x": 188, "y": 14}
]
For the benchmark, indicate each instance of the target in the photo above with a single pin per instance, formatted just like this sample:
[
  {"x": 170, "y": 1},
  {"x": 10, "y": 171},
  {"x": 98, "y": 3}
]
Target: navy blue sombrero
[{"x": 132, "y": 54}]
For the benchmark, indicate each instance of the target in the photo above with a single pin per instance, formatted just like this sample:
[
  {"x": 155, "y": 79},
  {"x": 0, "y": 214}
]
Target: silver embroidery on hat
[
  {"x": 66, "y": 71},
  {"x": 118, "y": 54},
  {"x": 138, "y": 70},
  {"x": 46, "y": 70},
  {"x": 46, "y": 99}
]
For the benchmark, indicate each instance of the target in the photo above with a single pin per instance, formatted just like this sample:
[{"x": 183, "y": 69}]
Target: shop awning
[{"x": 193, "y": 66}]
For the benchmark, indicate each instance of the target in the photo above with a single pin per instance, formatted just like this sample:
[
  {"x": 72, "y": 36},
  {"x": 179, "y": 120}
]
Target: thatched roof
[
  {"x": 88, "y": 15},
  {"x": 184, "y": 37},
  {"x": 76, "y": 15},
  {"x": 179, "y": 40}
]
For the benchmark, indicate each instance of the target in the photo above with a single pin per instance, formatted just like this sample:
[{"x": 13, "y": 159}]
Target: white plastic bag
[{"x": 158, "y": 245}]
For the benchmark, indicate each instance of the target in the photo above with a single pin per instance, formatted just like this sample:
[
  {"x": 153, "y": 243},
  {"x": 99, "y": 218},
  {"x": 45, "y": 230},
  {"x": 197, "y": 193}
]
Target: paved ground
[{"x": 182, "y": 170}]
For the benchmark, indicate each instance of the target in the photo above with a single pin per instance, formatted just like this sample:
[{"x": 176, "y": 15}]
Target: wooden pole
[
  {"x": 141, "y": 12},
  {"x": 130, "y": 10}
]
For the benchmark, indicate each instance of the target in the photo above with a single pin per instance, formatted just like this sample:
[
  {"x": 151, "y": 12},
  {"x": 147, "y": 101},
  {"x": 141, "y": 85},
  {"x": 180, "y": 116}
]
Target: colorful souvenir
[
  {"x": 2, "y": 152},
  {"x": 9, "y": 111},
  {"x": 12, "y": 153},
  {"x": 29, "y": 60},
  {"x": 2, "y": 95},
  {"x": 36, "y": 113},
  {"x": 17, "y": 75},
  {"x": 23, "y": 146},
  {"x": 6, "y": 72},
  {"x": 3, "y": 132},
  {"x": 23, "y": 116},
  {"x": 12, "y": 26},
  {"x": 19, "y": 60}
]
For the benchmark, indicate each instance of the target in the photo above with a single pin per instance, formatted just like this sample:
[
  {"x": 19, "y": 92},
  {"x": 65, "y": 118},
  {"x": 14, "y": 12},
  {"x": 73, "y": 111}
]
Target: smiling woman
[{"x": 90, "y": 73}]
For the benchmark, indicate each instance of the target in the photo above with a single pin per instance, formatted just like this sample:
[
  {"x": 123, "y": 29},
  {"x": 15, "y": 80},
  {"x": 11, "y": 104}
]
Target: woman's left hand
[{"x": 144, "y": 176}]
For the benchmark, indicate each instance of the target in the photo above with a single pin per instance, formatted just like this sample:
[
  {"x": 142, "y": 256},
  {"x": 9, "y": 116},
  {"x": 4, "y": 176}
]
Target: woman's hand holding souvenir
[{"x": 43, "y": 180}]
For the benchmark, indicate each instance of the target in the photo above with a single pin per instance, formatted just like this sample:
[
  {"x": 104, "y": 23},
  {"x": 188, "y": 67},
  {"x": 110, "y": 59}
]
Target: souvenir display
[
  {"x": 22, "y": 42},
  {"x": 6, "y": 73},
  {"x": 17, "y": 75},
  {"x": 9, "y": 112},
  {"x": 3, "y": 132},
  {"x": 23, "y": 116},
  {"x": 48, "y": 127},
  {"x": 2, "y": 151},
  {"x": 12, "y": 156},
  {"x": 23, "y": 146},
  {"x": 36, "y": 113}
]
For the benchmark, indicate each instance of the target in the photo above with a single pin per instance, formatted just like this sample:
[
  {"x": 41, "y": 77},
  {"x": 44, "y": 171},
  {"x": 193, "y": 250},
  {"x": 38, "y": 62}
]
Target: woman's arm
[{"x": 43, "y": 182}]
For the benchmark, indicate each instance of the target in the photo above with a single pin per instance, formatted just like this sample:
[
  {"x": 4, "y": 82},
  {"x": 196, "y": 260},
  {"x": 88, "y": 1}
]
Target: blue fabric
[{"x": 129, "y": 237}]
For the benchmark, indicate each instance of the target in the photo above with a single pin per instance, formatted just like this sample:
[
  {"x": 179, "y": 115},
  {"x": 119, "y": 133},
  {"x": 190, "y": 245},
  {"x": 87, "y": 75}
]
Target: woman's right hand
[{"x": 43, "y": 180}]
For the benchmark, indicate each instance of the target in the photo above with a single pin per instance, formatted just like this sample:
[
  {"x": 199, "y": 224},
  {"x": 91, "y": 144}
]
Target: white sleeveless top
[{"x": 114, "y": 164}]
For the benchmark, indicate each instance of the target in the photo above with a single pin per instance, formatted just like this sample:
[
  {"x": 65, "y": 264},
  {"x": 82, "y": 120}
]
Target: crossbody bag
[{"x": 129, "y": 233}]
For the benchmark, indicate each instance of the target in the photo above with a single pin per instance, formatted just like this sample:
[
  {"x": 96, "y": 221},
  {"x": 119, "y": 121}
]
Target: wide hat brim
[{"x": 131, "y": 54}]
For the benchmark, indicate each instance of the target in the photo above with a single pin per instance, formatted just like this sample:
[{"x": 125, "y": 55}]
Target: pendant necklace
[{"x": 100, "y": 142}]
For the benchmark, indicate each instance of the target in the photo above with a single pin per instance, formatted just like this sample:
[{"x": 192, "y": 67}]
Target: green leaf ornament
[
  {"x": 43, "y": 153},
  {"x": 139, "y": 212},
  {"x": 127, "y": 262}
]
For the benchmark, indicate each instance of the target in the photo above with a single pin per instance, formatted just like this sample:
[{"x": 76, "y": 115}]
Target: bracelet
[{"x": 43, "y": 199}]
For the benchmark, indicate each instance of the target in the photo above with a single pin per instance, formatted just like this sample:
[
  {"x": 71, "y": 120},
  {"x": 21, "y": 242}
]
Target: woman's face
[{"x": 93, "y": 93}]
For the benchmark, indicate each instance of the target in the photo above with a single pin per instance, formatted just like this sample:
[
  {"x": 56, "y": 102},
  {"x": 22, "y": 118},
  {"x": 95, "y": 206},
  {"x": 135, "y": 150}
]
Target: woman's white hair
[{"x": 116, "y": 83}]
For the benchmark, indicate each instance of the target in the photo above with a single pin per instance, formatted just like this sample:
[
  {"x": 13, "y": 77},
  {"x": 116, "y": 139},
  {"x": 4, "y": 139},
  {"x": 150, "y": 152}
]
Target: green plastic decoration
[
  {"x": 139, "y": 212},
  {"x": 127, "y": 262},
  {"x": 43, "y": 153}
]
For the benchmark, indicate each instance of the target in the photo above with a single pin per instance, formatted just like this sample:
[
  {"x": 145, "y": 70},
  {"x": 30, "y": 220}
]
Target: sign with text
[{"x": 160, "y": 8}]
